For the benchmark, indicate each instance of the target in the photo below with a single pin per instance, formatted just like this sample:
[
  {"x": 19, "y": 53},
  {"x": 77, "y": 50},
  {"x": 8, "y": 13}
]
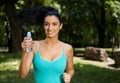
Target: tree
[
  {"x": 81, "y": 14},
  {"x": 113, "y": 20},
  {"x": 99, "y": 19},
  {"x": 15, "y": 35},
  {"x": 14, "y": 27},
  {"x": 16, "y": 31}
]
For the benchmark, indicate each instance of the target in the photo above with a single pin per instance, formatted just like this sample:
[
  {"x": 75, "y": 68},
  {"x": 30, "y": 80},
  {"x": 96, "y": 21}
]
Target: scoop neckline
[{"x": 50, "y": 60}]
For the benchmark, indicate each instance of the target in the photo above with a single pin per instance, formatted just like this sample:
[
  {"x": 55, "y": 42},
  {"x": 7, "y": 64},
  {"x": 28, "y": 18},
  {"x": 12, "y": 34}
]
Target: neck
[{"x": 51, "y": 41}]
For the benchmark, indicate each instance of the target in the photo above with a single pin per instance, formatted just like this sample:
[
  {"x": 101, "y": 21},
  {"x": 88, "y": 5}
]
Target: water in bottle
[{"x": 29, "y": 49}]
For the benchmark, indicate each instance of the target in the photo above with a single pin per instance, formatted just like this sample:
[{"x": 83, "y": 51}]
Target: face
[{"x": 52, "y": 26}]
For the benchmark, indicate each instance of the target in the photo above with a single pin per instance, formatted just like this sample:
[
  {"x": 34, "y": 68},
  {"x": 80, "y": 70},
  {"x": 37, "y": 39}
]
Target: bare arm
[
  {"x": 26, "y": 62},
  {"x": 70, "y": 67}
]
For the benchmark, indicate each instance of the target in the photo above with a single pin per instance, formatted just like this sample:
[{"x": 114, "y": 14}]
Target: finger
[
  {"x": 27, "y": 38},
  {"x": 64, "y": 74},
  {"x": 66, "y": 77},
  {"x": 23, "y": 47},
  {"x": 26, "y": 43}
]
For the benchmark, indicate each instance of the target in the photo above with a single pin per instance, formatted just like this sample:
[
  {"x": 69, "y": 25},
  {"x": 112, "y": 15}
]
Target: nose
[{"x": 49, "y": 27}]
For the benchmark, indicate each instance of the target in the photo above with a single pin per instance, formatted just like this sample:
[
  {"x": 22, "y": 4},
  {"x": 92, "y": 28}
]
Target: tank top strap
[
  {"x": 38, "y": 46},
  {"x": 64, "y": 49}
]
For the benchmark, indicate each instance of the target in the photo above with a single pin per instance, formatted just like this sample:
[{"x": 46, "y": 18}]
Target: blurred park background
[{"x": 86, "y": 23}]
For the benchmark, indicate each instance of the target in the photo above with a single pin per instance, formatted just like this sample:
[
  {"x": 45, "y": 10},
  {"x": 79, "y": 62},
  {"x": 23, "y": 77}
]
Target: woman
[{"x": 52, "y": 59}]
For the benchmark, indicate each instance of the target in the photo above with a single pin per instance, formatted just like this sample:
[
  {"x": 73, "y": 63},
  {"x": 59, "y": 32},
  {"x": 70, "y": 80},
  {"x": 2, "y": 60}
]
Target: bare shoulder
[
  {"x": 69, "y": 50},
  {"x": 35, "y": 44},
  {"x": 69, "y": 47}
]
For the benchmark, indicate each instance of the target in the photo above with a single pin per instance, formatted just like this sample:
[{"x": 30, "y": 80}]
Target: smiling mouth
[{"x": 50, "y": 33}]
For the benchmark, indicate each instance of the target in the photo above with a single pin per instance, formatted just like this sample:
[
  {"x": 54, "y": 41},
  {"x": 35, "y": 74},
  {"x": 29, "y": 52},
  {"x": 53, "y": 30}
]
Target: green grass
[
  {"x": 84, "y": 73},
  {"x": 9, "y": 64}
]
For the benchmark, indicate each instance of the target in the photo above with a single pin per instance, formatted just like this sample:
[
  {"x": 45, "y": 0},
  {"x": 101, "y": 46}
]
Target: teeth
[{"x": 50, "y": 32}]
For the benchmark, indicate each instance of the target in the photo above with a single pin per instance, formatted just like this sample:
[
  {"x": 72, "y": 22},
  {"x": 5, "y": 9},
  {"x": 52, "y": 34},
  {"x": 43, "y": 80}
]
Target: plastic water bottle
[{"x": 29, "y": 49}]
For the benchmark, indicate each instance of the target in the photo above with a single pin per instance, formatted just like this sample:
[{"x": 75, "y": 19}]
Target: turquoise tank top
[{"x": 49, "y": 71}]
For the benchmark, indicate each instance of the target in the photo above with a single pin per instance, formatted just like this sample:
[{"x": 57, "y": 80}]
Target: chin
[{"x": 50, "y": 36}]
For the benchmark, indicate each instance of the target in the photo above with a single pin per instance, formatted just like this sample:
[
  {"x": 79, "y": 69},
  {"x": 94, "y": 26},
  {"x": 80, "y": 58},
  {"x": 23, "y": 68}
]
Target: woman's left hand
[{"x": 66, "y": 77}]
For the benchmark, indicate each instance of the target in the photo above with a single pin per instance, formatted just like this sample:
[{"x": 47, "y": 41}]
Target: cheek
[
  {"x": 45, "y": 28},
  {"x": 57, "y": 28}
]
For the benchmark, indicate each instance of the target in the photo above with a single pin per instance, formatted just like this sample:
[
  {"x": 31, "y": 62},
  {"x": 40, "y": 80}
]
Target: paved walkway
[{"x": 108, "y": 64}]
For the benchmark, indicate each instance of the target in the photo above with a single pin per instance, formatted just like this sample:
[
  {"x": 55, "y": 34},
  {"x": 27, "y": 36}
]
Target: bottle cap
[{"x": 29, "y": 34}]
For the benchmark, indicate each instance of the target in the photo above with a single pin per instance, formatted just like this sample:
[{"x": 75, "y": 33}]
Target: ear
[{"x": 61, "y": 26}]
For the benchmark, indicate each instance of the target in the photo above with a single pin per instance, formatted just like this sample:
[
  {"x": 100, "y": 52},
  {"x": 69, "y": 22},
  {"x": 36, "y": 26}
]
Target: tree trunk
[
  {"x": 15, "y": 26},
  {"x": 101, "y": 29},
  {"x": 9, "y": 37},
  {"x": 100, "y": 25},
  {"x": 101, "y": 36}
]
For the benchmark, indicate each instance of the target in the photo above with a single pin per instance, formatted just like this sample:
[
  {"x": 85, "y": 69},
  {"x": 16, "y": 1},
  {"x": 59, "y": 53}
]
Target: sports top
[{"x": 46, "y": 71}]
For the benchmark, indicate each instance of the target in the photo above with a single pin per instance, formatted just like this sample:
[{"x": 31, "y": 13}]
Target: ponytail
[{"x": 34, "y": 15}]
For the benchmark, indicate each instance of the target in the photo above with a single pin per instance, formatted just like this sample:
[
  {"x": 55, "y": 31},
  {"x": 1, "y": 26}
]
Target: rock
[{"x": 98, "y": 54}]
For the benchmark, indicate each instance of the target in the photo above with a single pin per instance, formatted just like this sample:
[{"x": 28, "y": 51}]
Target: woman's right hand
[{"x": 27, "y": 42}]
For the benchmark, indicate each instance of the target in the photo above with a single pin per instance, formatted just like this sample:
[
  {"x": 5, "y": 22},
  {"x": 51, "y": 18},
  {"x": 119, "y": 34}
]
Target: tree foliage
[
  {"x": 86, "y": 22},
  {"x": 91, "y": 16},
  {"x": 113, "y": 20},
  {"x": 85, "y": 14}
]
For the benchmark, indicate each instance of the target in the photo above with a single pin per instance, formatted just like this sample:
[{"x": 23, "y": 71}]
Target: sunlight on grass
[
  {"x": 9, "y": 73},
  {"x": 81, "y": 49},
  {"x": 84, "y": 72},
  {"x": 87, "y": 73},
  {"x": 10, "y": 65}
]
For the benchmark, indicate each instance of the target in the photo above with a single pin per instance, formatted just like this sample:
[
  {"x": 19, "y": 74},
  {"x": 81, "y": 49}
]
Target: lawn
[{"x": 84, "y": 73}]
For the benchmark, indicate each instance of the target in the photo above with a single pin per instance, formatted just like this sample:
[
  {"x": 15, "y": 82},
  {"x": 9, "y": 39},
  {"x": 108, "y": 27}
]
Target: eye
[
  {"x": 45, "y": 24},
  {"x": 54, "y": 24}
]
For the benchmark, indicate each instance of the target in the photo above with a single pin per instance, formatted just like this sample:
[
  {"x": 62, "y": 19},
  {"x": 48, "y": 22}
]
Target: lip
[{"x": 50, "y": 32}]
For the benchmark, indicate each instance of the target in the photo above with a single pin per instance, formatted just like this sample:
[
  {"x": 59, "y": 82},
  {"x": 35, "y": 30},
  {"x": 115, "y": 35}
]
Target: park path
[{"x": 108, "y": 64}]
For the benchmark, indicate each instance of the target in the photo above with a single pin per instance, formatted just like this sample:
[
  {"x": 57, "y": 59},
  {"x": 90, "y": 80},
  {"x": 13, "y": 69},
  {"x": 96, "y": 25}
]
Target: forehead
[{"x": 51, "y": 18}]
